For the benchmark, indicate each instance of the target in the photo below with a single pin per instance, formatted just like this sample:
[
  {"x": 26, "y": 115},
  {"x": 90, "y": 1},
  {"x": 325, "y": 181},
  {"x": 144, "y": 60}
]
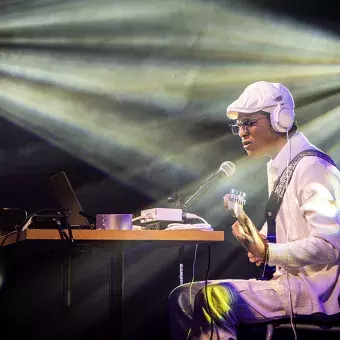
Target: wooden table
[
  {"x": 120, "y": 235},
  {"x": 115, "y": 242}
]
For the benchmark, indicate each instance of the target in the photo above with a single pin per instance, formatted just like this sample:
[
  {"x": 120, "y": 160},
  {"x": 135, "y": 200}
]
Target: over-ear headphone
[{"x": 282, "y": 118}]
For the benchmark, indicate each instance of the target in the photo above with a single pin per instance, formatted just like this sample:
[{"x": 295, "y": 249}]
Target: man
[{"x": 306, "y": 253}]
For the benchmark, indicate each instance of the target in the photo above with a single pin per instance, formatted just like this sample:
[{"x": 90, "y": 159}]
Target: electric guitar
[{"x": 234, "y": 202}]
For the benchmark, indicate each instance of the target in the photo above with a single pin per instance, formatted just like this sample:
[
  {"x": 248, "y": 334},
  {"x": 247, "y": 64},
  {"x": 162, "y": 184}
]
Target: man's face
[{"x": 259, "y": 140}]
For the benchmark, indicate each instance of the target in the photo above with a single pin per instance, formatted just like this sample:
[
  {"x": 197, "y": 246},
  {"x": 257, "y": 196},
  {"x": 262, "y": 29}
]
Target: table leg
[
  {"x": 117, "y": 293},
  {"x": 66, "y": 267}
]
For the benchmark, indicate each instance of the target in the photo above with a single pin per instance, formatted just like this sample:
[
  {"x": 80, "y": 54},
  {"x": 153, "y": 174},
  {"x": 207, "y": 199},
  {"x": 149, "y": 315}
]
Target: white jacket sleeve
[{"x": 318, "y": 194}]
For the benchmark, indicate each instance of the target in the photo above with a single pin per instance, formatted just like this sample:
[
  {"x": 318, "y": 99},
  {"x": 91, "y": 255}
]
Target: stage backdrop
[{"x": 129, "y": 99}]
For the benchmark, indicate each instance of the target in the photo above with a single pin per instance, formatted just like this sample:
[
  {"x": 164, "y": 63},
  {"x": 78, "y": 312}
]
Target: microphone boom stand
[
  {"x": 188, "y": 203},
  {"x": 184, "y": 206}
]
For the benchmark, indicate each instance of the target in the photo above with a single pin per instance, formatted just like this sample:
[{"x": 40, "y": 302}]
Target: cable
[
  {"x": 17, "y": 209},
  {"x": 205, "y": 290},
  {"x": 137, "y": 218},
  {"x": 287, "y": 239},
  {"x": 190, "y": 216},
  {"x": 206, "y": 294},
  {"x": 182, "y": 226},
  {"x": 6, "y": 236},
  {"x": 28, "y": 220},
  {"x": 191, "y": 283},
  {"x": 13, "y": 209},
  {"x": 198, "y": 226},
  {"x": 193, "y": 278},
  {"x": 16, "y": 226}
]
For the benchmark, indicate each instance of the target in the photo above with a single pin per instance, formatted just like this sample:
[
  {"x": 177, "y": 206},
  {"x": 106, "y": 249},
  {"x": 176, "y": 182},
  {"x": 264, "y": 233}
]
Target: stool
[
  {"x": 305, "y": 325},
  {"x": 320, "y": 323}
]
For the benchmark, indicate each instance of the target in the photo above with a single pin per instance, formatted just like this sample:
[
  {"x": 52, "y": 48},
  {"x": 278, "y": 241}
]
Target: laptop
[{"x": 67, "y": 199}]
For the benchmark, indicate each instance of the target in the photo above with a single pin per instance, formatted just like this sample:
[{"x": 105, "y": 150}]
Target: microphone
[{"x": 226, "y": 169}]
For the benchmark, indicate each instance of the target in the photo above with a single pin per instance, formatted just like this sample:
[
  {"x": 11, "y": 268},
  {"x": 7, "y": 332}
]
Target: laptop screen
[{"x": 67, "y": 198}]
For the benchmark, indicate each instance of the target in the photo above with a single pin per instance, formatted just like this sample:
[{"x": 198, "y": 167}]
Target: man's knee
[
  {"x": 177, "y": 291},
  {"x": 187, "y": 290},
  {"x": 216, "y": 300}
]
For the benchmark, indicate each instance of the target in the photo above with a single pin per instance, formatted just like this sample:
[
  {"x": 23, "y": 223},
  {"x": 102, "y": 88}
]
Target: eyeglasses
[{"x": 235, "y": 128}]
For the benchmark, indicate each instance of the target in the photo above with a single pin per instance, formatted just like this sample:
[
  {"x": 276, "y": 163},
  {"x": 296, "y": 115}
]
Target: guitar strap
[{"x": 276, "y": 197}]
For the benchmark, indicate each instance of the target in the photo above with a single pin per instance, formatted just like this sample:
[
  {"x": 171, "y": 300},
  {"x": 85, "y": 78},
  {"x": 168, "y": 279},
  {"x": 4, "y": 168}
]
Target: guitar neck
[{"x": 244, "y": 220}]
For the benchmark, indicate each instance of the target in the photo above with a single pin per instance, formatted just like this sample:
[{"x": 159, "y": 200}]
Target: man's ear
[{"x": 275, "y": 133}]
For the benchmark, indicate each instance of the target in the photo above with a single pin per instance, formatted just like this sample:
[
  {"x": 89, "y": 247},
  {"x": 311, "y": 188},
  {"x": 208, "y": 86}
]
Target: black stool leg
[{"x": 270, "y": 331}]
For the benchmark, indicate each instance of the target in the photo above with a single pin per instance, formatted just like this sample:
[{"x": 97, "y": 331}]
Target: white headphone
[{"x": 282, "y": 118}]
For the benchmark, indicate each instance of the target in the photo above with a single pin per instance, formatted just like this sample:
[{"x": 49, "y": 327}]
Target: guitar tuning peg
[{"x": 232, "y": 191}]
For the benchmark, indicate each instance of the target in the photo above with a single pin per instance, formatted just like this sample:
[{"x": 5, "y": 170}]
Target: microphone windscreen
[{"x": 228, "y": 168}]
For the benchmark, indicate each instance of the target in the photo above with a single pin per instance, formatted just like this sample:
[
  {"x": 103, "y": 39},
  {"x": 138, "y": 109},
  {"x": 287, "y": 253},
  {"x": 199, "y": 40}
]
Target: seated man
[{"x": 307, "y": 226}]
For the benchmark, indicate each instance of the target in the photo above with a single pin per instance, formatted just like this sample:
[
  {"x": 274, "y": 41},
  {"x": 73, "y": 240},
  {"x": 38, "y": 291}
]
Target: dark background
[{"x": 129, "y": 99}]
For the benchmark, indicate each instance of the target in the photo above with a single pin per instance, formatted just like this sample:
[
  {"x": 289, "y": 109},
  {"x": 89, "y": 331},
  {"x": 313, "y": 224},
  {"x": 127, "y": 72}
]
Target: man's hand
[
  {"x": 250, "y": 239},
  {"x": 254, "y": 259}
]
